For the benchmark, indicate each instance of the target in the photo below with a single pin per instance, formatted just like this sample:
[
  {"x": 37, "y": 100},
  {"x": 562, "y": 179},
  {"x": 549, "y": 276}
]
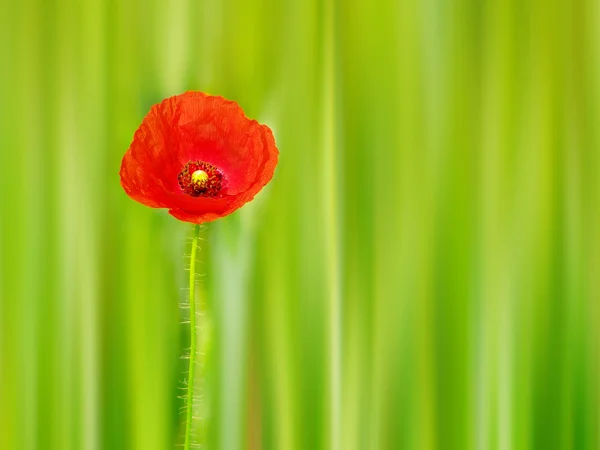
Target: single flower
[{"x": 199, "y": 156}]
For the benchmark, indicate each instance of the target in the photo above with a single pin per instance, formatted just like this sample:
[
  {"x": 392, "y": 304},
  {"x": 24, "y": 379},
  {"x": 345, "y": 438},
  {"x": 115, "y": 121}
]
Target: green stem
[{"x": 192, "y": 366}]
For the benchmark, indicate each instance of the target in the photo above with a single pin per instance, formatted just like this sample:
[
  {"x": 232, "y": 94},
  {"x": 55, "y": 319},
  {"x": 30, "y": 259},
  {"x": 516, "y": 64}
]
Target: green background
[{"x": 423, "y": 272}]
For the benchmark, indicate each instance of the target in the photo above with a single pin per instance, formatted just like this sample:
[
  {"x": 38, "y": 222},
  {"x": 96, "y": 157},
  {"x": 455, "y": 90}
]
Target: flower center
[{"x": 199, "y": 178}]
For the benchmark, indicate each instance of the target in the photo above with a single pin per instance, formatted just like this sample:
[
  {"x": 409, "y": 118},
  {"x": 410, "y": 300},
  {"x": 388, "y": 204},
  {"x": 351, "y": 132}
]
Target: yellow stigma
[{"x": 199, "y": 177}]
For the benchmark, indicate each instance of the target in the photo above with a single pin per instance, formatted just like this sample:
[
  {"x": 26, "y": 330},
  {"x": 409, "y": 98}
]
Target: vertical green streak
[
  {"x": 36, "y": 352},
  {"x": 592, "y": 261},
  {"x": 193, "y": 342},
  {"x": 232, "y": 272},
  {"x": 89, "y": 63},
  {"x": 494, "y": 355},
  {"x": 456, "y": 155},
  {"x": 330, "y": 205},
  {"x": 10, "y": 256},
  {"x": 64, "y": 116},
  {"x": 576, "y": 411},
  {"x": 124, "y": 79},
  {"x": 171, "y": 39},
  {"x": 547, "y": 280}
]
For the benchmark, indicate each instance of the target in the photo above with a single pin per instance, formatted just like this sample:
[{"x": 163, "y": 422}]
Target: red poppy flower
[{"x": 199, "y": 156}]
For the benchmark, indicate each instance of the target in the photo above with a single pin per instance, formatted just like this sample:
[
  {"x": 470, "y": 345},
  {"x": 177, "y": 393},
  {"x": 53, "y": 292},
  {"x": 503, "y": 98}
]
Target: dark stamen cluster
[{"x": 207, "y": 188}]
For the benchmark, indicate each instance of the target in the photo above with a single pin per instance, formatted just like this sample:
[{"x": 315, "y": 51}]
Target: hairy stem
[{"x": 192, "y": 365}]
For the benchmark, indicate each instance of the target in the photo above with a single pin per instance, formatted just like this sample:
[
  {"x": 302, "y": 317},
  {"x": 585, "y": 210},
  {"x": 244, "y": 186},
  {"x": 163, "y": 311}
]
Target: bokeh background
[{"x": 423, "y": 272}]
